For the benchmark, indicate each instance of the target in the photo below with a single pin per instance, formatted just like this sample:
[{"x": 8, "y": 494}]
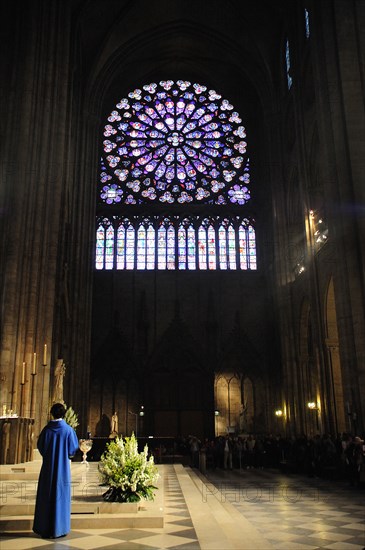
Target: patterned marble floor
[
  {"x": 178, "y": 531},
  {"x": 296, "y": 512},
  {"x": 287, "y": 512}
]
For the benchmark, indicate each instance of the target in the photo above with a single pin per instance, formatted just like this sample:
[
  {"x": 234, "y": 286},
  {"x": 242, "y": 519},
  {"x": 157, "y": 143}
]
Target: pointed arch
[
  {"x": 179, "y": 385},
  {"x": 309, "y": 388},
  {"x": 337, "y": 408}
]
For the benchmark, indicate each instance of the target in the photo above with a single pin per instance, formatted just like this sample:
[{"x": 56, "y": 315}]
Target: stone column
[
  {"x": 35, "y": 160},
  {"x": 336, "y": 52}
]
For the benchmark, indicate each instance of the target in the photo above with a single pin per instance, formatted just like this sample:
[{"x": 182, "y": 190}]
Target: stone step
[
  {"x": 30, "y": 471},
  {"x": 7, "y": 510},
  {"x": 11, "y": 524},
  {"x": 88, "y": 510}
]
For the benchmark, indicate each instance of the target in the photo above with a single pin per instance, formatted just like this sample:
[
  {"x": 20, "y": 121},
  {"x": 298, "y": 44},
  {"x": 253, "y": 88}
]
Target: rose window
[{"x": 174, "y": 142}]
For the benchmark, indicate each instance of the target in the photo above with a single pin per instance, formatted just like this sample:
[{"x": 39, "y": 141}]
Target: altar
[
  {"x": 16, "y": 439},
  {"x": 165, "y": 450}
]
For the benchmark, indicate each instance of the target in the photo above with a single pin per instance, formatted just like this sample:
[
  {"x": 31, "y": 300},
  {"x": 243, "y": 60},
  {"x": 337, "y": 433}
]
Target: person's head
[{"x": 58, "y": 410}]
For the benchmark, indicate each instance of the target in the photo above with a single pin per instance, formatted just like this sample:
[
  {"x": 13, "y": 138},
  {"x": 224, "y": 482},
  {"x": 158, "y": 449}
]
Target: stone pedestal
[
  {"x": 118, "y": 508},
  {"x": 16, "y": 440}
]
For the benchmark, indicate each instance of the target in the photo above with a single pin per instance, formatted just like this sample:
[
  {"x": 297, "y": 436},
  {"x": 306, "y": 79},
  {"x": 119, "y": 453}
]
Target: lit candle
[
  {"x": 34, "y": 363},
  {"x": 45, "y": 355},
  {"x": 23, "y": 374}
]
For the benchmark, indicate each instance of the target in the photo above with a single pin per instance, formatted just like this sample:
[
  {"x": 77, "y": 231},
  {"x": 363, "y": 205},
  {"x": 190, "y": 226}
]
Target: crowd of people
[{"x": 341, "y": 457}]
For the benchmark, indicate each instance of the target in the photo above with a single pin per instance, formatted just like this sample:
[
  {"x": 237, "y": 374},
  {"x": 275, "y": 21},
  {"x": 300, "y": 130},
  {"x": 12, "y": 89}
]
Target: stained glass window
[
  {"x": 109, "y": 247},
  {"x": 174, "y": 142},
  {"x": 243, "y": 240},
  {"x": 150, "y": 248},
  {"x": 221, "y": 243},
  {"x": 252, "y": 246},
  {"x": 100, "y": 246},
  {"x": 222, "y": 236},
  {"x": 178, "y": 144},
  {"x": 171, "y": 247},
  {"x": 306, "y": 21},
  {"x": 141, "y": 247},
  {"x": 288, "y": 65},
  {"x": 130, "y": 252},
  {"x": 202, "y": 246},
  {"x": 232, "y": 248},
  {"x": 162, "y": 247},
  {"x": 121, "y": 247},
  {"x": 191, "y": 248},
  {"x": 182, "y": 247},
  {"x": 212, "y": 263}
]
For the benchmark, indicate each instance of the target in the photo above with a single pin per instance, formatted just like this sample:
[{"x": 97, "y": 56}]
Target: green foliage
[
  {"x": 130, "y": 475},
  {"x": 71, "y": 418}
]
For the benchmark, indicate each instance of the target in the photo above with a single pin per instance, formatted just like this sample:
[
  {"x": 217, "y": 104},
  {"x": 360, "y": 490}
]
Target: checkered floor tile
[
  {"x": 289, "y": 512},
  {"x": 296, "y": 512},
  {"x": 178, "y": 532}
]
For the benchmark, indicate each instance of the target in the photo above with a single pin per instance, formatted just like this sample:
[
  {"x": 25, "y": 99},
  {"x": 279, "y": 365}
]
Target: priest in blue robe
[{"x": 57, "y": 443}]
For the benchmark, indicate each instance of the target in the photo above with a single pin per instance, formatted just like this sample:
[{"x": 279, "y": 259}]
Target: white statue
[
  {"x": 114, "y": 428},
  {"x": 59, "y": 374}
]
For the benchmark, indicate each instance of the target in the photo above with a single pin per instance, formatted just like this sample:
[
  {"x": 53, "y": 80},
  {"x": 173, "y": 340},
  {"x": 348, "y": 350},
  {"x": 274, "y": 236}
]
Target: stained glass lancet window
[
  {"x": 162, "y": 247},
  {"x": 222, "y": 238},
  {"x": 108, "y": 246},
  {"x": 210, "y": 244},
  {"x": 182, "y": 242},
  {"x": 150, "y": 247},
  {"x": 202, "y": 246},
  {"x": 121, "y": 240},
  {"x": 191, "y": 246},
  {"x": 173, "y": 143},
  {"x": 100, "y": 246},
  {"x": 212, "y": 261},
  {"x": 231, "y": 247},
  {"x": 141, "y": 247},
  {"x": 306, "y": 21},
  {"x": 288, "y": 65},
  {"x": 130, "y": 252},
  {"x": 170, "y": 247}
]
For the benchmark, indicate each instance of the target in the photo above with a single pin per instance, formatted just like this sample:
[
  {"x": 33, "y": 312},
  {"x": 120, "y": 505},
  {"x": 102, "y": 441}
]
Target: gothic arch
[
  {"x": 221, "y": 57},
  {"x": 114, "y": 382},
  {"x": 239, "y": 355},
  {"x": 336, "y": 403},
  {"x": 178, "y": 386},
  {"x": 228, "y": 398},
  {"x": 125, "y": 67},
  {"x": 240, "y": 386},
  {"x": 308, "y": 376}
]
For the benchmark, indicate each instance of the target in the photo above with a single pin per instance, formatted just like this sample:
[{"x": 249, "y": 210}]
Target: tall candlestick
[
  {"x": 45, "y": 355},
  {"x": 23, "y": 374},
  {"x": 32, "y": 388}
]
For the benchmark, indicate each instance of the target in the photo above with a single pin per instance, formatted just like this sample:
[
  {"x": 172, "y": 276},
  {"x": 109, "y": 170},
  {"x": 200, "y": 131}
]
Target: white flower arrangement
[
  {"x": 71, "y": 418},
  {"x": 130, "y": 475}
]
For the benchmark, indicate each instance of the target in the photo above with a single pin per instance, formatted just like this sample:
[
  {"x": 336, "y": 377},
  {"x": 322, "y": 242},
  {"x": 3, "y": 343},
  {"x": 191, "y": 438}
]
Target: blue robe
[{"x": 57, "y": 443}]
